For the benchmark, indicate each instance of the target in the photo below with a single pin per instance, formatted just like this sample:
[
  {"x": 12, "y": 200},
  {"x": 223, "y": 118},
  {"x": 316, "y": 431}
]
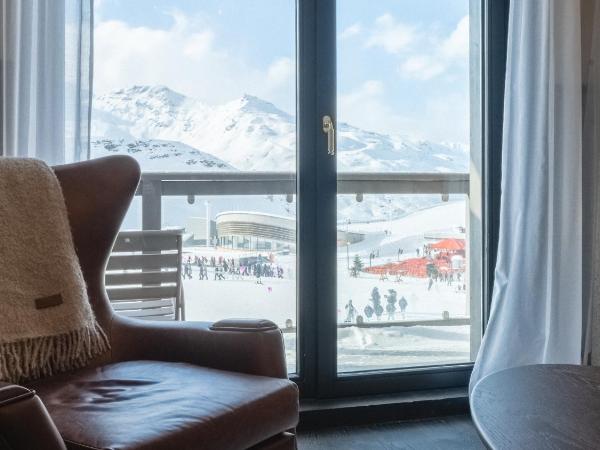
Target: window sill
[{"x": 366, "y": 410}]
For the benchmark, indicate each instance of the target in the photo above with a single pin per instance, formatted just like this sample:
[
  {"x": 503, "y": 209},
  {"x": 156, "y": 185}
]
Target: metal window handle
[{"x": 329, "y": 130}]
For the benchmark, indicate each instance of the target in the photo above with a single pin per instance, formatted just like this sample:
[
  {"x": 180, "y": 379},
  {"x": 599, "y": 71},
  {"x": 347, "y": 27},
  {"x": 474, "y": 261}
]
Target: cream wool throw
[{"x": 46, "y": 322}]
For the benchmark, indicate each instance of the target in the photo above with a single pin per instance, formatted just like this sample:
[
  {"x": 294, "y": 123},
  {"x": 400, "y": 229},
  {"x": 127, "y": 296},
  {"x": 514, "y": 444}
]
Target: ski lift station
[{"x": 244, "y": 230}]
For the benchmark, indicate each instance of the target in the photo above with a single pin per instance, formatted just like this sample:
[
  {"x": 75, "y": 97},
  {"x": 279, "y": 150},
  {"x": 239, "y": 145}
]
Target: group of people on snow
[
  {"x": 227, "y": 267},
  {"x": 447, "y": 277},
  {"x": 375, "y": 307}
]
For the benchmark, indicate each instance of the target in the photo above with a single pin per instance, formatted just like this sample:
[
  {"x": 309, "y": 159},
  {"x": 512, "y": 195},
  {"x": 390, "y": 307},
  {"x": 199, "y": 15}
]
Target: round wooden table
[{"x": 539, "y": 407}]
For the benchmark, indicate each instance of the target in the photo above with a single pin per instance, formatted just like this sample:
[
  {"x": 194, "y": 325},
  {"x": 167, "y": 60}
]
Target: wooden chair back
[{"x": 143, "y": 275}]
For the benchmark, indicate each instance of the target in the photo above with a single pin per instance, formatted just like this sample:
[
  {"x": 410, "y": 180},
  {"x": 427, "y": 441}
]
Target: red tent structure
[
  {"x": 417, "y": 267},
  {"x": 450, "y": 245},
  {"x": 413, "y": 267},
  {"x": 378, "y": 269}
]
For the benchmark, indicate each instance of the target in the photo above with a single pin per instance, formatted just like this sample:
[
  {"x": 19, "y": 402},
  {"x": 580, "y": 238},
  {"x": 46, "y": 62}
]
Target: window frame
[{"x": 316, "y": 189}]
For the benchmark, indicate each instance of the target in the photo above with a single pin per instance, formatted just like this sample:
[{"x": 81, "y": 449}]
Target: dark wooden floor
[{"x": 445, "y": 433}]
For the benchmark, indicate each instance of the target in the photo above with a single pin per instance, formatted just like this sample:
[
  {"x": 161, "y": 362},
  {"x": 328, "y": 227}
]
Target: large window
[
  {"x": 324, "y": 163},
  {"x": 207, "y": 89},
  {"x": 403, "y": 116}
]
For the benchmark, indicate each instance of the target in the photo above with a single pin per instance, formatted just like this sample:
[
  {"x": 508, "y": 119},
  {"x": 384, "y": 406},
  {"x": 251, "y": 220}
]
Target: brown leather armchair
[{"x": 163, "y": 385}]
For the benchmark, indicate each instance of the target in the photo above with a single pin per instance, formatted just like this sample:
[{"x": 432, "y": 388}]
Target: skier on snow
[
  {"x": 403, "y": 303},
  {"x": 391, "y": 304}
]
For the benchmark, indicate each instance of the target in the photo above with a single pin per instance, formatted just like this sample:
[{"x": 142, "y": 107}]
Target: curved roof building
[
  {"x": 255, "y": 231},
  {"x": 262, "y": 231}
]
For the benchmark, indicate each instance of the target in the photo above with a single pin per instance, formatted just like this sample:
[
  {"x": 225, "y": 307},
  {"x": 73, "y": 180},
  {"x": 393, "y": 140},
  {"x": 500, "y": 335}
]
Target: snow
[
  {"x": 358, "y": 348},
  {"x": 248, "y": 133},
  {"x": 444, "y": 216},
  {"x": 168, "y": 131},
  {"x": 397, "y": 346},
  {"x": 392, "y": 347},
  {"x": 151, "y": 154},
  {"x": 252, "y": 134}
]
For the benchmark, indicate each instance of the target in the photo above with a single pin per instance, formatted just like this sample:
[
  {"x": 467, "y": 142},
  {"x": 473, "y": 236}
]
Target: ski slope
[{"x": 358, "y": 348}]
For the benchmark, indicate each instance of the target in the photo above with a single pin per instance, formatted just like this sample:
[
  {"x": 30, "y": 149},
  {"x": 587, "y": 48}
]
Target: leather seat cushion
[{"x": 160, "y": 405}]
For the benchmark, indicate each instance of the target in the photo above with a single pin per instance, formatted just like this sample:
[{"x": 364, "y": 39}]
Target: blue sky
[{"x": 402, "y": 64}]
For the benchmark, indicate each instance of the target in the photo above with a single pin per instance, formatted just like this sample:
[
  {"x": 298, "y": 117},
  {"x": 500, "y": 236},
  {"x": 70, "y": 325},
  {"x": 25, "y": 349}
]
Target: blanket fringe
[{"x": 33, "y": 358}]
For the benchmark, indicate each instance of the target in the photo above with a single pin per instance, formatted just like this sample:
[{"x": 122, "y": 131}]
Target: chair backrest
[
  {"x": 143, "y": 275},
  {"x": 97, "y": 195}
]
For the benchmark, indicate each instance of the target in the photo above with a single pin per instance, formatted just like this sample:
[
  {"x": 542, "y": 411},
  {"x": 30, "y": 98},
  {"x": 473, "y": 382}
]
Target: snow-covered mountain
[
  {"x": 366, "y": 151},
  {"x": 248, "y": 133},
  {"x": 251, "y": 134},
  {"x": 160, "y": 156},
  {"x": 167, "y": 131}
]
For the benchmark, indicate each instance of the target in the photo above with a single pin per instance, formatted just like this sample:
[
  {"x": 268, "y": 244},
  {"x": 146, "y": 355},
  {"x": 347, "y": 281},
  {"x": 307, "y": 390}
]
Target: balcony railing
[{"x": 156, "y": 185}]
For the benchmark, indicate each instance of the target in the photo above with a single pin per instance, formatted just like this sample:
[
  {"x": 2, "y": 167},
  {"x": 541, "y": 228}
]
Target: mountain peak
[
  {"x": 253, "y": 104},
  {"x": 160, "y": 92},
  {"x": 149, "y": 88}
]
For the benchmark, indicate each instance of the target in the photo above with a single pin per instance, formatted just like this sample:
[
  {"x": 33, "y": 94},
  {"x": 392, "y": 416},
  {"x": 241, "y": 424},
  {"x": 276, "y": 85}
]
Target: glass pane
[
  {"x": 206, "y": 91},
  {"x": 249, "y": 267},
  {"x": 404, "y": 267}
]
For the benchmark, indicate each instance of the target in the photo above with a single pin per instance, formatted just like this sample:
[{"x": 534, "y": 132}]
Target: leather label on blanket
[{"x": 48, "y": 302}]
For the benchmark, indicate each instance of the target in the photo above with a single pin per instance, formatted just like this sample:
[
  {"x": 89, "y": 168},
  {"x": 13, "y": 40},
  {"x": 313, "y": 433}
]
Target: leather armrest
[
  {"x": 10, "y": 393},
  {"x": 238, "y": 345},
  {"x": 24, "y": 421},
  {"x": 243, "y": 325}
]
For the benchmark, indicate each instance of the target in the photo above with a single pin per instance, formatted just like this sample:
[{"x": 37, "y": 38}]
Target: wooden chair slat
[
  {"x": 148, "y": 313},
  {"x": 138, "y": 242},
  {"x": 142, "y": 293},
  {"x": 143, "y": 261},
  {"x": 143, "y": 277},
  {"x": 147, "y": 278},
  {"x": 143, "y": 304}
]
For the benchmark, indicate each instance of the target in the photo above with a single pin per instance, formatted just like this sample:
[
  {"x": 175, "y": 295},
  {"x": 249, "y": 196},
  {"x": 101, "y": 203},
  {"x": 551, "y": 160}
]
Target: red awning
[{"x": 449, "y": 244}]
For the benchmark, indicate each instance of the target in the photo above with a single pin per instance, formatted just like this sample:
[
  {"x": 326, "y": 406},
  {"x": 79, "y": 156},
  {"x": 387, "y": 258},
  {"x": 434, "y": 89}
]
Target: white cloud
[
  {"x": 391, "y": 35},
  {"x": 439, "y": 54},
  {"x": 187, "y": 58},
  {"x": 423, "y": 53},
  {"x": 366, "y": 92},
  {"x": 199, "y": 45},
  {"x": 281, "y": 71},
  {"x": 456, "y": 46},
  {"x": 365, "y": 107},
  {"x": 368, "y": 107},
  {"x": 351, "y": 31},
  {"x": 368, "y": 89},
  {"x": 422, "y": 67},
  {"x": 438, "y": 110}
]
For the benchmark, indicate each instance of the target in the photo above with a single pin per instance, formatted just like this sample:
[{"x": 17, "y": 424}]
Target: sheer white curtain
[
  {"x": 591, "y": 176},
  {"x": 536, "y": 314},
  {"x": 45, "y": 78}
]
